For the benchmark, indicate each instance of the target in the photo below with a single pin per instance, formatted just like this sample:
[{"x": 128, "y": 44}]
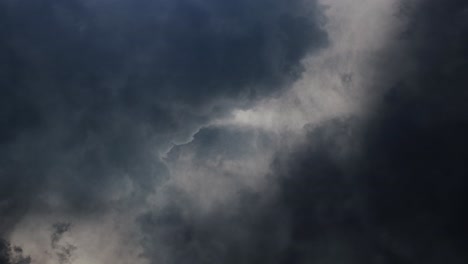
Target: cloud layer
[
  {"x": 204, "y": 131},
  {"x": 93, "y": 91}
]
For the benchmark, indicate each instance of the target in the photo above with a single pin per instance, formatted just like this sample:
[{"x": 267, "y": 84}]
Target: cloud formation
[
  {"x": 93, "y": 91},
  {"x": 390, "y": 187},
  {"x": 204, "y": 131}
]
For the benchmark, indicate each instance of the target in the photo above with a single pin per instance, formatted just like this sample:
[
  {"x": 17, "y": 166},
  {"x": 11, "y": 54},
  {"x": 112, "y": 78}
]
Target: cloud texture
[
  {"x": 93, "y": 91},
  {"x": 215, "y": 131}
]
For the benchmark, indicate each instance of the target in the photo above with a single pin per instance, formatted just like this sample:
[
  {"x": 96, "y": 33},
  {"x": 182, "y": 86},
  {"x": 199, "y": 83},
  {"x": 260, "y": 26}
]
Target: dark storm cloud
[
  {"x": 319, "y": 213},
  {"x": 122, "y": 77},
  {"x": 386, "y": 188},
  {"x": 92, "y": 90},
  {"x": 323, "y": 200},
  {"x": 417, "y": 145},
  {"x": 142, "y": 52},
  {"x": 392, "y": 188}
]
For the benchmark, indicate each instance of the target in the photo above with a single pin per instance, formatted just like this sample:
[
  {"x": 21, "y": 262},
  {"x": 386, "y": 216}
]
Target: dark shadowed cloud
[
  {"x": 392, "y": 188},
  {"x": 389, "y": 187},
  {"x": 97, "y": 96},
  {"x": 92, "y": 91}
]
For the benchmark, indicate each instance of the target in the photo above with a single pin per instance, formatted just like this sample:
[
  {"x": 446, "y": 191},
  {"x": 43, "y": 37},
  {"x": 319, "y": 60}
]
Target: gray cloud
[
  {"x": 216, "y": 211},
  {"x": 101, "y": 100},
  {"x": 94, "y": 92}
]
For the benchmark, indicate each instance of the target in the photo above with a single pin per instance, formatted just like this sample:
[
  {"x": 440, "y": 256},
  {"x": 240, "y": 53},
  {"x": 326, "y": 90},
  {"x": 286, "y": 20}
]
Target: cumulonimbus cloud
[{"x": 116, "y": 117}]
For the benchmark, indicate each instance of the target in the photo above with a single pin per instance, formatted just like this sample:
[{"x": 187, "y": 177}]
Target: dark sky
[{"x": 216, "y": 131}]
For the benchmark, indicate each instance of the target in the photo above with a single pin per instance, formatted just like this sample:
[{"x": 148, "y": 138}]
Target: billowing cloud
[
  {"x": 215, "y": 131},
  {"x": 94, "y": 91}
]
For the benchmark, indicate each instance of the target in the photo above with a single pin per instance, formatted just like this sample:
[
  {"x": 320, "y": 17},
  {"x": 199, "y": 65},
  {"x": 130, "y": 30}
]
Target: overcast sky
[{"x": 233, "y": 131}]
